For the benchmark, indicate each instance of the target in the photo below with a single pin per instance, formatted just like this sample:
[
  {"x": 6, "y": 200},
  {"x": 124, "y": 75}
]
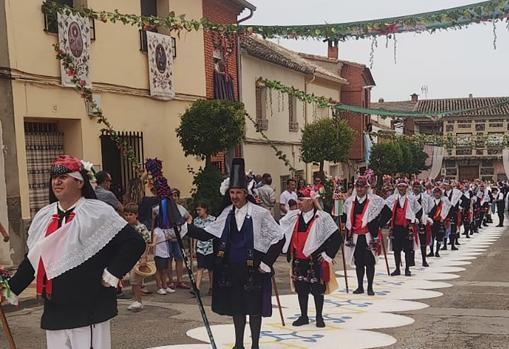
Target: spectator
[
  {"x": 266, "y": 193},
  {"x": 136, "y": 281},
  {"x": 146, "y": 206},
  {"x": 160, "y": 243},
  {"x": 103, "y": 193},
  {"x": 174, "y": 249},
  {"x": 287, "y": 195},
  {"x": 292, "y": 204},
  {"x": 204, "y": 249}
]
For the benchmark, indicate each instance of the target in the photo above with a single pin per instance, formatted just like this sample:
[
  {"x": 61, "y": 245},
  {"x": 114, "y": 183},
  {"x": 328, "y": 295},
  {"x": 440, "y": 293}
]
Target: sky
[{"x": 453, "y": 63}]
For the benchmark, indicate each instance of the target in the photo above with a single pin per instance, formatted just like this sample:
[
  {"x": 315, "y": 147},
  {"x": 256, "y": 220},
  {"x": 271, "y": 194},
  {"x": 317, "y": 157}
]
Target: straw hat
[{"x": 146, "y": 270}]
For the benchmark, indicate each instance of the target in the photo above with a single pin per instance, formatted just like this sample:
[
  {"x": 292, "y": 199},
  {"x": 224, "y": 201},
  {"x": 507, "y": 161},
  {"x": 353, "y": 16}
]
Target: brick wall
[
  {"x": 353, "y": 94},
  {"x": 223, "y": 12}
]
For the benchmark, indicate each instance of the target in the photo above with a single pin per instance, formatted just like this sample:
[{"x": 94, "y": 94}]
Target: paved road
[{"x": 472, "y": 314}]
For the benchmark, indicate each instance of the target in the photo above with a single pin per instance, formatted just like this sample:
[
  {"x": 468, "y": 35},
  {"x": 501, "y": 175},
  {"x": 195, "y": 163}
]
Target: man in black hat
[{"x": 247, "y": 241}]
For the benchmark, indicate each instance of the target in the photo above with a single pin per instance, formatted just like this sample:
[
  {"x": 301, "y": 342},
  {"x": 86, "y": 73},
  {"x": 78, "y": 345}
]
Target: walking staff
[
  {"x": 170, "y": 218},
  {"x": 247, "y": 243}
]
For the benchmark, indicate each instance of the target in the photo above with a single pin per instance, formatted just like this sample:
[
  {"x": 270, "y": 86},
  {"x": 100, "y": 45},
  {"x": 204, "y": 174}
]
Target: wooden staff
[
  {"x": 385, "y": 254},
  {"x": 7, "y": 330},
  {"x": 343, "y": 253},
  {"x": 277, "y": 299}
]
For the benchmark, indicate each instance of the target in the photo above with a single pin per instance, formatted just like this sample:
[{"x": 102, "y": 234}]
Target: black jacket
[{"x": 78, "y": 297}]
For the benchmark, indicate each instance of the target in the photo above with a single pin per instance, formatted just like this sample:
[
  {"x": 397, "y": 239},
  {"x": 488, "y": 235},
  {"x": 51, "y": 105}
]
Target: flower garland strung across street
[
  {"x": 323, "y": 102},
  {"x": 86, "y": 93},
  {"x": 450, "y": 141},
  {"x": 452, "y": 18}
]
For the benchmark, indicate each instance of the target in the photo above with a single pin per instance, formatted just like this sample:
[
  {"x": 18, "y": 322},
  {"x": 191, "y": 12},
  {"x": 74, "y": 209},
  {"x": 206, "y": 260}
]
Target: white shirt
[
  {"x": 402, "y": 201},
  {"x": 287, "y": 196},
  {"x": 240, "y": 216},
  {"x": 161, "y": 245},
  {"x": 308, "y": 215},
  {"x": 360, "y": 200}
]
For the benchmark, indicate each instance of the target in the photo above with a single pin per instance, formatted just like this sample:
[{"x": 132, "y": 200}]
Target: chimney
[
  {"x": 415, "y": 97},
  {"x": 333, "y": 49},
  {"x": 470, "y": 95},
  {"x": 381, "y": 100}
]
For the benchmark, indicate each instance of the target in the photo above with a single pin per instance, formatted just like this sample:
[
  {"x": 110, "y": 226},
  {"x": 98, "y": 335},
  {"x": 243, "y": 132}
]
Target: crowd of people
[{"x": 86, "y": 242}]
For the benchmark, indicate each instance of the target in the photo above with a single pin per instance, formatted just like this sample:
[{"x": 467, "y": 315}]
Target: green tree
[
  {"x": 207, "y": 128},
  {"x": 211, "y": 126},
  {"x": 385, "y": 158},
  {"x": 326, "y": 140}
]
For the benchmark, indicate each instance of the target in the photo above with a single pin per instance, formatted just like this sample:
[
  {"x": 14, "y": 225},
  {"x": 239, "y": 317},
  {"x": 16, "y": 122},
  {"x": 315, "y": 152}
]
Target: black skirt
[{"x": 240, "y": 291}]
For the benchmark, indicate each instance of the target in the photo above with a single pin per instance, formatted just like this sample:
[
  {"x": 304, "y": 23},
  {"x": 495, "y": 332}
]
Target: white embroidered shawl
[
  {"x": 375, "y": 206},
  {"x": 446, "y": 207},
  {"x": 95, "y": 223},
  {"x": 323, "y": 227},
  {"x": 412, "y": 208},
  {"x": 456, "y": 196},
  {"x": 266, "y": 231}
]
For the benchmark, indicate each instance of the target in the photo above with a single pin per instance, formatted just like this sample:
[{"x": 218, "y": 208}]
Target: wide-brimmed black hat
[{"x": 238, "y": 174}]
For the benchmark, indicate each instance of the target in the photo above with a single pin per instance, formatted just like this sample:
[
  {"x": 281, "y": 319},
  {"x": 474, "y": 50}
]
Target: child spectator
[
  {"x": 162, "y": 258},
  {"x": 204, "y": 249},
  {"x": 131, "y": 215}
]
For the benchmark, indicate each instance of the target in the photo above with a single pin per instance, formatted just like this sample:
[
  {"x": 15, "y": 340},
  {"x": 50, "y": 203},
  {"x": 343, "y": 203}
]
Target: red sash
[
  {"x": 356, "y": 221},
  {"x": 438, "y": 212},
  {"x": 399, "y": 214},
  {"x": 42, "y": 283}
]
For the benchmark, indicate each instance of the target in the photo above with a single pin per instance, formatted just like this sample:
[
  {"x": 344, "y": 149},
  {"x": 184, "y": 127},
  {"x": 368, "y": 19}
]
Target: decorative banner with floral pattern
[
  {"x": 160, "y": 65},
  {"x": 74, "y": 39}
]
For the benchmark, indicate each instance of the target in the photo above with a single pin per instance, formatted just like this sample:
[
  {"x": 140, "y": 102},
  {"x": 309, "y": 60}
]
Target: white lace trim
[
  {"x": 323, "y": 227},
  {"x": 375, "y": 206},
  {"x": 94, "y": 225},
  {"x": 265, "y": 229}
]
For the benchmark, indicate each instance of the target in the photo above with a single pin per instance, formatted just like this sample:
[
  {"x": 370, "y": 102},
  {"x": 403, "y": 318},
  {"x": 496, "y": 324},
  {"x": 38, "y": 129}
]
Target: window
[
  {"x": 464, "y": 151},
  {"x": 449, "y": 128},
  {"x": 122, "y": 171},
  {"x": 261, "y": 108},
  {"x": 292, "y": 112},
  {"x": 51, "y": 23},
  {"x": 148, "y": 8},
  {"x": 480, "y": 127}
]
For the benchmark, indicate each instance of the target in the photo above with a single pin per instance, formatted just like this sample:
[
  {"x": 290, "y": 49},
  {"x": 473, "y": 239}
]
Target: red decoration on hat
[
  {"x": 305, "y": 192},
  {"x": 361, "y": 182},
  {"x": 66, "y": 164}
]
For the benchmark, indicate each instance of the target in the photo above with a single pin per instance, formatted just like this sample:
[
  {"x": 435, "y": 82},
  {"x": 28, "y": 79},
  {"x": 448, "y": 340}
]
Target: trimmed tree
[
  {"x": 207, "y": 128},
  {"x": 326, "y": 140}
]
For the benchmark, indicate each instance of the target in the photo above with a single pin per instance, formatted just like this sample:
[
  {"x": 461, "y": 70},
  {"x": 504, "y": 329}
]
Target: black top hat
[{"x": 238, "y": 174}]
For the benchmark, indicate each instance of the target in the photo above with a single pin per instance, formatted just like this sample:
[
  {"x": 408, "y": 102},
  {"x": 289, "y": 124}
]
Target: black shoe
[
  {"x": 431, "y": 254},
  {"x": 358, "y": 291},
  {"x": 454, "y": 248},
  {"x": 468, "y": 236},
  {"x": 407, "y": 272},
  {"x": 444, "y": 248},
  {"x": 371, "y": 292},
  {"x": 437, "y": 254},
  {"x": 238, "y": 347},
  {"x": 319, "y": 322},
  {"x": 396, "y": 272},
  {"x": 499, "y": 225},
  {"x": 458, "y": 243},
  {"x": 425, "y": 264},
  {"x": 122, "y": 295},
  {"x": 302, "y": 320}
]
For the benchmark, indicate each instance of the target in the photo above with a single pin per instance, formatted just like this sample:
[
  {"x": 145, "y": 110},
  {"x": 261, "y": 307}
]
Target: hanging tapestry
[
  {"x": 160, "y": 65},
  {"x": 436, "y": 164},
  {"x": 74, "y": 39}
]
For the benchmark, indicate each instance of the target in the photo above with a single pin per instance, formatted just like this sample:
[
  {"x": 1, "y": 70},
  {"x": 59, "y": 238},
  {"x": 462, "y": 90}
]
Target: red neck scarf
[{"x": 42, "y": 283}]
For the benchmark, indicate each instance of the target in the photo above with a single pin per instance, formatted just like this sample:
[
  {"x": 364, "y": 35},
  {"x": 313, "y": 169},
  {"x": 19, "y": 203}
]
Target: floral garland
[
  {"x": 451, "y": 141},
  {"x": 86, "y": 93},
  {"x": 319, "y": 101},
  {"x": 453, "y": 18},
  {"x": 323, "y": 102}
]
